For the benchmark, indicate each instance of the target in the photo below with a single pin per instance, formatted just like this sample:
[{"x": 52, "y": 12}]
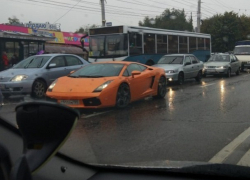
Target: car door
[
  {"x": 196, "y": 66},
  {"x": 58, "y": 70},
  {"x": 234, "y": 64},
  {"x": 187, "y": 67},
  {"x": 73, "y": 63},
  {"x": 137, "y": 83}
]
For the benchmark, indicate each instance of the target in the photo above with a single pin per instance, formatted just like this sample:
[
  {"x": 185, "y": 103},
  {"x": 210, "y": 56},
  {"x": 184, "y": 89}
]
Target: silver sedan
[
  {"x": 179, "y": 67},
  {"x": 34, "y": 74},
  {"x": 222, "y": 64}
]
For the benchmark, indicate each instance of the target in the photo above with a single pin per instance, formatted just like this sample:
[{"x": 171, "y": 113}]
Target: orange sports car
[{"x": 99, "y": 85}]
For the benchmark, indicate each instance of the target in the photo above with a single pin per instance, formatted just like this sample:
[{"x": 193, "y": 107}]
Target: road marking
[
  {"x": 228, "y": 149},
  {"x": 95, "y": 114},
  {"x": 245, "y": 160},
  {"x": 207, "y": 85}
]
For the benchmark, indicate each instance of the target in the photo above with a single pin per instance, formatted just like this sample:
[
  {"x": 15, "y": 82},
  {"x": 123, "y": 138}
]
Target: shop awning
[
  {"x": 25, "y": 36},
  {"x": 63, "y": 49}
]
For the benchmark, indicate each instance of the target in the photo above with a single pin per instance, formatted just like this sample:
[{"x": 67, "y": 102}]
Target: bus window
[
  {"x": 116, "y": 45},
  {"x": 96, "y": 46},
  {"x": 173, "y": 44},
  {"x": 207, "y": 43},
  {"x": 192, "y": 44},
  {"x": 183, "y": 44},
  {"x": 162, "y": 44},
  {"x": 201, "y": 44},
  {"x": 149, "y": 43},
  {"x": 135, "y": 44}
]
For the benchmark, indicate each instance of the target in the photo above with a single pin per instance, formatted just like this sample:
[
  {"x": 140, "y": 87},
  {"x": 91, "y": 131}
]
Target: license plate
[
  {"x": 210, "y": 70},
  {"x": 69, "y": 102}
]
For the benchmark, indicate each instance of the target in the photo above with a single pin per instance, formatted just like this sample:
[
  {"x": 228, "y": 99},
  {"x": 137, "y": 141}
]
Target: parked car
[
  {"x": 34, "y": 74},
  {"x": 1, "y": 99},
  {"x": 222, "y": 64},
  {"x": 108, "y": 84},
  {"x": 179, "y": 67}
]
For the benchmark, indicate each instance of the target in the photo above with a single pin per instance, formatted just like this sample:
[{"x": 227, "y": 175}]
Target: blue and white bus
[{"x": 144, "y": 45}]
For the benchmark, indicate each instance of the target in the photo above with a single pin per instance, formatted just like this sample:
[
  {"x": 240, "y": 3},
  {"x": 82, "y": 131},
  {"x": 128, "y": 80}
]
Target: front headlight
[
  {"x": 19, "y": 78},
  {"x": 103, "y": 86},
  {"x": 170, "y": 71},
  {"x": 52, "y": 86}
]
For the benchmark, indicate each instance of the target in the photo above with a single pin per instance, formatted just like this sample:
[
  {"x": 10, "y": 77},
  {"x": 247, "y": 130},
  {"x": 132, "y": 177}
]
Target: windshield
[
  {"x": 220, "y": 58},
  {"x": 165, "y": 81},
  {"x": 241, "y": 50},
  {"x": 108, "y": 46},
  {"x": 99, "y": 70},
  {"x": 33, "y": 62},
  {"x": 171, "y": 60}
]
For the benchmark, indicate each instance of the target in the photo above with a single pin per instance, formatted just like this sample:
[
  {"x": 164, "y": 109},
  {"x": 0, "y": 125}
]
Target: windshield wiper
[
  {"x": 28, "y": 64},
  {"x": 40, "y": 63}
]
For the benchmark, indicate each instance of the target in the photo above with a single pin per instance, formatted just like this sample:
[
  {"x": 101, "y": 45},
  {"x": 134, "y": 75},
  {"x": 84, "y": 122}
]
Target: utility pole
[
  {"x": 199, "y": 16},
  {"x": 103, "y": 13}
]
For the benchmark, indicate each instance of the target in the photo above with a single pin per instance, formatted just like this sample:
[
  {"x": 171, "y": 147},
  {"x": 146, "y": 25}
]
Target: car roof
[
  {"x": 56, "y": 54},
  {"x": 178, "y": 54},
  {"x": 116, "y": 62}
]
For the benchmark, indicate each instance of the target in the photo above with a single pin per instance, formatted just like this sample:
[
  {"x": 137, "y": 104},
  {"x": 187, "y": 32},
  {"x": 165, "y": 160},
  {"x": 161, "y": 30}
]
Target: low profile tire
[
  {"x": 6, "y": 96},
  {"x": 38, "y": 89},
  {"x": 228, "y": 75},
  {"x": 180, "y": 78},
  {"x": 238, "y": 72},
  {"x": 123, "y": 96},
  {"x": 162, "y": 88},
  {"x": 198, "y": 77}
]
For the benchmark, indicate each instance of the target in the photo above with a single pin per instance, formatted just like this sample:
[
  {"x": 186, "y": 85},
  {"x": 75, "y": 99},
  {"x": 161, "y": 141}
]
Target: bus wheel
[{"x": 150, "y": 62}]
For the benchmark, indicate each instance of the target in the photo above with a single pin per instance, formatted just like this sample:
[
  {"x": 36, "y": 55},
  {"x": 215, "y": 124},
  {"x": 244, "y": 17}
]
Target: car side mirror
[
  {"x": 134, "y": 73},
  {"x": 52, "y": 65},
  {"x": 187, "y": 63},
  {"x": 44, "y": 126}
]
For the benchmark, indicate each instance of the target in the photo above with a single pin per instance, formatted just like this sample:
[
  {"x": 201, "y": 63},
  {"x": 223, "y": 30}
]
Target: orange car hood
[{"x": 86, "y": 85}]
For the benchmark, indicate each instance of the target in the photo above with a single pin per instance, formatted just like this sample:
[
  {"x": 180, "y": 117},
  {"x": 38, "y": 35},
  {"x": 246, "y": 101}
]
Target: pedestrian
[
  {"x": 5, "y": 60},
  {"x": 14, "y": 60}
]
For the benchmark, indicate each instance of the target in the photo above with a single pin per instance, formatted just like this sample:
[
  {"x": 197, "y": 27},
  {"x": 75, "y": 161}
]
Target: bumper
[
  {"x": 84, "y": 100},
  {"x": 245, "y": 65},
  {"x": 214, "y": 71},
  {"x": 172, "y": 77},
  {"x": 23, "y": 87}
]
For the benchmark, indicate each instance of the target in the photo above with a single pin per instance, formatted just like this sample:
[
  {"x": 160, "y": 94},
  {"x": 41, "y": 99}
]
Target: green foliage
[
  {"x": 226, "y": 29},
  {"x": 85, "y": 29},
  {"x": 170, "y": 19},
  {"x": 13, "y": 20}
]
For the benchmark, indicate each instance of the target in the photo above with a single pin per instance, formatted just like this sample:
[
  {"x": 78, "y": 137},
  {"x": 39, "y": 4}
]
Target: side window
[
  {"x": 72, "y": 61},
  {"x": 143, "y": 68},
  {"x": 187, "y": 60},
  {"x": 125, "y": 73},
  {"x": 59, "y": 61},
  {"x": 233, "y": 58},
  {"x": 133, "y": 67},
  {"x": 194, "y": 60}
]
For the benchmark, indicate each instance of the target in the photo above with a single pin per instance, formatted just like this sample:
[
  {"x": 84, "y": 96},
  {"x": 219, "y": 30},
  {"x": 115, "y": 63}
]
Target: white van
[{"x": 242, "y": 52}]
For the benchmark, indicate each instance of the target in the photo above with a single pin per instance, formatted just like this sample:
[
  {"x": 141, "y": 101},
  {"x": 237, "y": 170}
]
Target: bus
[
  {"x": 145, "y": 45},
  {"x": 242, "y": 52}
]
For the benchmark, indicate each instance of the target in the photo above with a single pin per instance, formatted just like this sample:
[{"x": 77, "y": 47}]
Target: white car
[{"x": 179, "y": 67}]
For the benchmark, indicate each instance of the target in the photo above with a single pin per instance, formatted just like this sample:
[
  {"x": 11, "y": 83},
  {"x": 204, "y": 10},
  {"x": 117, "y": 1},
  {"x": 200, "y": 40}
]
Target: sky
[{"x": 72, "y": 14}]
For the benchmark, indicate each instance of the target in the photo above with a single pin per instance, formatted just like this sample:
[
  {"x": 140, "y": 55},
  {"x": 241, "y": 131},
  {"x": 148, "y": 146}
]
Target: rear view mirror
[
  {"x": 44, "y": 127},
  {"x": 134, "y": 73}
]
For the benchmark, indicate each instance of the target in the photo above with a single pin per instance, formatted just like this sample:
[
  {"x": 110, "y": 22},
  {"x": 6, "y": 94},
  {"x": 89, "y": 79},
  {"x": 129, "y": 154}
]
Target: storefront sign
[{"x": 46, "y": 26}]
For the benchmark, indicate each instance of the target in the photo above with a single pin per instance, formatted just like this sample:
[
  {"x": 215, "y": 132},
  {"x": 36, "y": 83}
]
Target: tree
[
  {"x": 14, "y": 20},
  {"x": 85, "y": 29},
  {"x": 226, "y": 29},
  {"x": 170, "y": 19}
]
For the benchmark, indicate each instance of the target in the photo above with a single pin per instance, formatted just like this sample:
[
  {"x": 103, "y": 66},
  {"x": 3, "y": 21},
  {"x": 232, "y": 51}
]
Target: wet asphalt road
[{"x": 194, "y": 122}]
